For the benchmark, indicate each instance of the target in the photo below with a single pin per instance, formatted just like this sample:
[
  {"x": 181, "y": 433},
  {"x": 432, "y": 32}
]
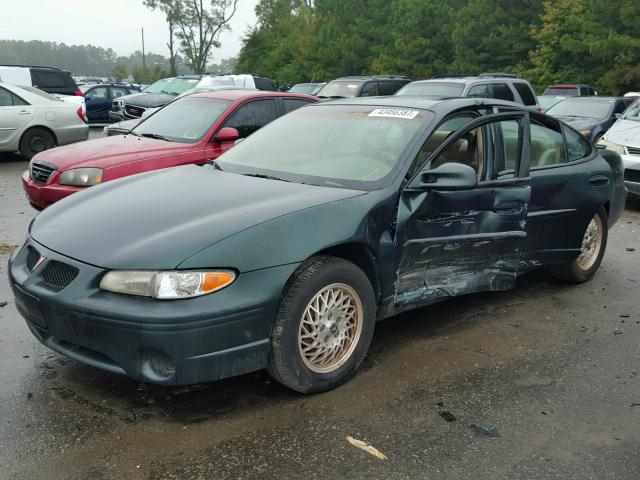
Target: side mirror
[
  {"x": 448, "y": 176},
  {"x": 618, "y": 115},
  {"x": 226, "y": 134}
]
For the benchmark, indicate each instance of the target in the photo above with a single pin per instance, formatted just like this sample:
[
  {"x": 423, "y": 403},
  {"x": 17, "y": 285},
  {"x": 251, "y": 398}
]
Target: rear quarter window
[{"x": 49, "y": 79}]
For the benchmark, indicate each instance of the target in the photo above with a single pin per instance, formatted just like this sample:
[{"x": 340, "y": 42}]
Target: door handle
[
  {"x": 24, "y": 112},
  {"x": 508, "y": 207},
  {"x": 599, "y": 180}
]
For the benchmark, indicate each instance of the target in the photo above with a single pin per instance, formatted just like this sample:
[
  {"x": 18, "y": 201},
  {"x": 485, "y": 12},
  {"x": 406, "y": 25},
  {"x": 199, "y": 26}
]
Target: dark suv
[
  {"x": 501, "y": 86},
  {"x": 48, "y": 79},
  {"x": 362, "y": 86}
]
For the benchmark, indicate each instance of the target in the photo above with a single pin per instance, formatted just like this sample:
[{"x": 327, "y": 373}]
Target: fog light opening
[{"x": 160, "y": 363}]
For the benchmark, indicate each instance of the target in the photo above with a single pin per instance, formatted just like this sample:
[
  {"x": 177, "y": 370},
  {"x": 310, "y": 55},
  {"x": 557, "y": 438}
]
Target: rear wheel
[
  {"x": 34, "y": 141},
  {"x": 594, "y": 243},
  {"x": 324, "y": 325}
]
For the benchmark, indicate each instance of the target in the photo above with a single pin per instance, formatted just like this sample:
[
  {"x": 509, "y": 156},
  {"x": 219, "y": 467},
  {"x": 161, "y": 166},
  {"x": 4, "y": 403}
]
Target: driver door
[{"x": 457, "y": 239}]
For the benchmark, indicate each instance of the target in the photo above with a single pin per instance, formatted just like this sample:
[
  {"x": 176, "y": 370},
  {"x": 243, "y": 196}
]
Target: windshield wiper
[
  {"x": 154, "y": 135},
  {"x": 268, "y": 177},
  {"x": 169, "y": 93},
  {"x": 215, "y": 164}
]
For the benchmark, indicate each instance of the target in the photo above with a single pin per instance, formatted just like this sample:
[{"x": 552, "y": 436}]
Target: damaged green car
[{"x": 284, "y": 253}]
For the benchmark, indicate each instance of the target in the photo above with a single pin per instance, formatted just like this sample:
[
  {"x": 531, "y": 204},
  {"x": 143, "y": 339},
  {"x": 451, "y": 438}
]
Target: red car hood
[{"x": 110, "y": 151}]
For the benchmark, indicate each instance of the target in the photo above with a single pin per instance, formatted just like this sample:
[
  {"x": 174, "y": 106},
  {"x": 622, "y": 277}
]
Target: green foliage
[
  {"x": 546, "y": 41},
  {"x": 198, "y": 25}
]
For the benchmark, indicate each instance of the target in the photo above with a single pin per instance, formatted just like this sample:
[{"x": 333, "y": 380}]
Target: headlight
[
  {"x": 166, "y": 285},
  {"x": 585, "y": 133},
  {"x": 615, "y": 147},
  {"x": 81, "y": 177}
]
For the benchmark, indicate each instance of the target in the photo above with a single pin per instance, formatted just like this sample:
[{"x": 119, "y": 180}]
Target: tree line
[{"x": 546, "y": 41}]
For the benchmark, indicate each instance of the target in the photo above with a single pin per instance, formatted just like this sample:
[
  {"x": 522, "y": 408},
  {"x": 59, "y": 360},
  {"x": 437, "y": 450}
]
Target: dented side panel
[{"x": 453, "y": 243}]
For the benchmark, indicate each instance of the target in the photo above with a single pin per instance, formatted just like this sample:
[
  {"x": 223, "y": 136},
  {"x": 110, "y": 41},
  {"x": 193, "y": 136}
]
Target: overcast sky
[{"x": 107, "y": 23}]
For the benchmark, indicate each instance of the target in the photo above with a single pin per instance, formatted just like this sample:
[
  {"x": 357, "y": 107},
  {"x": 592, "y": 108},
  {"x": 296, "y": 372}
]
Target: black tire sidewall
[
  {"x": 25, "y": 147},
  {"x": 286, "y": 364}
]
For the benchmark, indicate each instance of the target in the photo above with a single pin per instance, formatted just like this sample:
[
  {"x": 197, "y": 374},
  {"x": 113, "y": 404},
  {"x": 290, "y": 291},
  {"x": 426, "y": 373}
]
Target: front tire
[
  {"x": 594, "y": 244},
  {"x": 324, "y": 325},
  {"x": 35, "y": 140}
]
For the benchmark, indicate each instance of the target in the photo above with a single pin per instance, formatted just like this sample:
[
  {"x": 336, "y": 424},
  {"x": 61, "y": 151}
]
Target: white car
[
  {"x": 624, "y": 138},
  {"x": 32, "y": 121}
]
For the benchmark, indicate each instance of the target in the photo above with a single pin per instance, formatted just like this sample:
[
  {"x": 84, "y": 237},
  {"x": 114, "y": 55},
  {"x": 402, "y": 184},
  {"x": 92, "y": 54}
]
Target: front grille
[
  {"x": 633, "y": 151},
  {"x": 40, "y": 173},
  {"x": 58, "y": 274},
  {"x": 632, "y": 176},
  {"x": 33, "y": 256},
  {"x": 134, "y": 111}
]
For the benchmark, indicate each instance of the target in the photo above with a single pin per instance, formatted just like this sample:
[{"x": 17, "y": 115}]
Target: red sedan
[{"x": 192, "y": 129}]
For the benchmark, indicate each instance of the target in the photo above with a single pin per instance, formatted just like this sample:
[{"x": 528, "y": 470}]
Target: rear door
[
  {"x": 15, "y": 115},
  {"x": 568, "y": 184},
  {"x": 453, "y": 242}
]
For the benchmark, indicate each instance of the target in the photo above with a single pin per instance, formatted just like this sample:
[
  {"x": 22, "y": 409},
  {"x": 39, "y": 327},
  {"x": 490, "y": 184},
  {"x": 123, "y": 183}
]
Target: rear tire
[
  {"x": 35, "y": 140},
  {"x": 324, "y": 325},
  {"x": 594, "y": 244}
]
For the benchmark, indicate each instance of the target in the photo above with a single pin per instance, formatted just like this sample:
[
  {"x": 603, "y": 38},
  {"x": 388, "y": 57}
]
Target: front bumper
[
  {"x": 632, "y": 174},
  {"x": 166, "y": 342},
  {"x": 41, "y": 195}
]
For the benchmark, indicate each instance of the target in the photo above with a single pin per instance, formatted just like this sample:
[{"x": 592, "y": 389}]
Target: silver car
[{"x": 32, "y": 121}]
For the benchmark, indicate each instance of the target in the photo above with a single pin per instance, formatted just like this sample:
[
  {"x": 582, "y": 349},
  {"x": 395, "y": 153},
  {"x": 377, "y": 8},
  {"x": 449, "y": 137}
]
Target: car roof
[
  {"x": 240, "y": 94},
  {"x": 361, "y": 78},
  {"x": 472, "y": 79},
  {"x": 569, "y": 85},
  {"x": 436, "y": 104},
  {"x": 591, "y": 98}
]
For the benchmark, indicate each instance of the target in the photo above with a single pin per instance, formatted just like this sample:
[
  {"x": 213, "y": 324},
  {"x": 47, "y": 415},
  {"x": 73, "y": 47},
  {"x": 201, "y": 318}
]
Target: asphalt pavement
[{"x": 542, "y": 382}]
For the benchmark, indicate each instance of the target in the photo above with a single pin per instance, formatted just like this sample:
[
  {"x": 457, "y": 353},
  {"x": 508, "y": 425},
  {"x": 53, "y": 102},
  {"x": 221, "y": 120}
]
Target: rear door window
[
  {"x": 9, "y": 99},
  {"x": 501, "y": 91},
  {"x": 388, "y": 88},
  {"x": 118, "y": 92},
  {"x": 577, "y": 147},
  {"x": 547, "y": 146},
  {"x": 252, "y": 116},
  {"x": 525, "y": 93},
  {"x": 370, "y": 89}
]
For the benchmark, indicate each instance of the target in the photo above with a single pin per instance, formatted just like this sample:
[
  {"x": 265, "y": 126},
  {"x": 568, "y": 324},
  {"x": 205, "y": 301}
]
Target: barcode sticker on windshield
[{"x": 395, "y": 113}]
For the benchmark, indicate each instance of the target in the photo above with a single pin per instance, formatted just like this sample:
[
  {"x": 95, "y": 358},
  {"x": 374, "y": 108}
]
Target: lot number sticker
[{"x": 394, "y": 113}]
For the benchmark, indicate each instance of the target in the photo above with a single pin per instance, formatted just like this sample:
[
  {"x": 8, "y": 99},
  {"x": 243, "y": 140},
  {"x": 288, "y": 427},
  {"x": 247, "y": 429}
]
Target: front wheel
[
  {"x": 594, "y": 243},
  {"x": 324, "y": 325}
]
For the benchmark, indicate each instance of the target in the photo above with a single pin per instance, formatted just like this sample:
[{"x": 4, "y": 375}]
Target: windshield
[
  {"x": 579, "y": 107},
  {"x": 357, "y": 147},
  {"x": 304, "y": 88},
  {"x": 633, "y": 112},
  {"x": 172, "y": 86},
  {"x": 184, "y": 120},
  {"x": 436, "y": 89},
  {"x": 548, "y": 101},
  {"x": 340, "y": 88}
]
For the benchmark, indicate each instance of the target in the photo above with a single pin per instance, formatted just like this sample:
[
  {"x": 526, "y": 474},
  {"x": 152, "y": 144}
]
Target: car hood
[
  {"x": 147, "y": 100},
  {"x": 109, "y": 151},
  {"x": 158, "y": 219},
  {"x": 625, "y": 132}
]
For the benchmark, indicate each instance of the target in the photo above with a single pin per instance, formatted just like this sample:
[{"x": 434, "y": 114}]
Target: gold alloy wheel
[
  {"x": 591, "y": 244},
  {"x": 330, "y": 328}
]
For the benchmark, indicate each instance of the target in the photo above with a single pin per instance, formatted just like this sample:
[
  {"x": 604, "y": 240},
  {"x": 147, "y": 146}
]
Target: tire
[
  {"x": 587, "y": 263},
  {"x": 35, "y": 140},
  {"x": 304, "y": 329}
]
